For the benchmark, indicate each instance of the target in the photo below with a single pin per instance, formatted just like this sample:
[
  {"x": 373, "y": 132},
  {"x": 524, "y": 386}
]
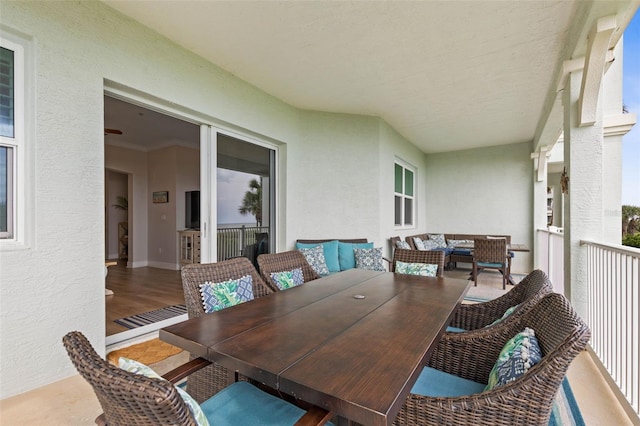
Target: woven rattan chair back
[
  {"x": 527, "y": 292},
  {"x": 204, "y": 383},
  {"x": 126, "y": 398},
  {"x": 490, "y": 250},
  {"x": 434, "y": 257},
  {"x": 285, "y": 261},
  {"x": 527, "y": 400},
  {"x": 195, "y": 274}
]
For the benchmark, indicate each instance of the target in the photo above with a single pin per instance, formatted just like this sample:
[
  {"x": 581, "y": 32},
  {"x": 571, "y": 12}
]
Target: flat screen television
[{"x": 192, "y": 210}]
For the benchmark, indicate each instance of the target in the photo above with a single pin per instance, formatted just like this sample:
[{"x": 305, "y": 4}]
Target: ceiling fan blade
[{"x": 112, "y": 131}]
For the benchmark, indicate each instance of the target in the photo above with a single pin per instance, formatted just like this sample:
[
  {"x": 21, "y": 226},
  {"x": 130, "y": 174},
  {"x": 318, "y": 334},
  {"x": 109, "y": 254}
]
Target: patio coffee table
[{"x": 352, "y": 343}]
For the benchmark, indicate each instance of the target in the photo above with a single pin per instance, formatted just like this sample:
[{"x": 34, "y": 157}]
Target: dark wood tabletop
[{"x": 356, "y": 357}]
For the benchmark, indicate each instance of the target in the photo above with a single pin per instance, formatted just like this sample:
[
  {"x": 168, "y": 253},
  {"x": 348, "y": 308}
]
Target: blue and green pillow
[
  {"x": 423, "y": 269},
  {"x": 217, "y": 296},
  {"x": 288, "y": 279},
  {"x": 518, "y": 355}
]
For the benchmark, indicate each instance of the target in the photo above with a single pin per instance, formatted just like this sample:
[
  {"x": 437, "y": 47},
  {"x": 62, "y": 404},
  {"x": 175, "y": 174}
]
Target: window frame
[
  {"x": 15, "y": 237},
  {"x": 404, "y": 197}
]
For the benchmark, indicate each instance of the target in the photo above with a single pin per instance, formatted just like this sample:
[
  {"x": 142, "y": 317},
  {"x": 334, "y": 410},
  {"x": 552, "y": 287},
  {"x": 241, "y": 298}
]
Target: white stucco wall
[
  {"x": 330, "y": 168},
  {"x": 482, "y": 191}
]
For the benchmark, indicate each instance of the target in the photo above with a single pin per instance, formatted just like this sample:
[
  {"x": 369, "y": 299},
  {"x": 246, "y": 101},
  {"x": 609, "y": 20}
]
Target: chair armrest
[
  {"x": 314, "y": 416},
  {"x": 186, "y": 369}
]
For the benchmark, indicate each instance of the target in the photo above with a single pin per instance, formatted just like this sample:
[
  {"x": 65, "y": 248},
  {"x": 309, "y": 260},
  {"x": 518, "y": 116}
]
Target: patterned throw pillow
[
  {"x": 370, "y": 259},
  {"x": 217, "y": 296},
  {"x": 456, "y": 243},
  {"x": 418, "y": 243},
  {"x": 136, "y": 367},
  {"x": 315, "y": 258},
  {"x": 424, "y": 269},
  {"x": 430, "y": 245},
  {"x": 506, "y": 314},
  {"x": 288, "y": 279},
  {"x": 439, "y": 240},
  {"x": 516, "y": 358},
  {"x": 403, "y": 245}
]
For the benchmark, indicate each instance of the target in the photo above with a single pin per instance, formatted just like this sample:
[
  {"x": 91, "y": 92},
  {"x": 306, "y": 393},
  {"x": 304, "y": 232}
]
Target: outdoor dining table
[{"x": 352, "y": 343}]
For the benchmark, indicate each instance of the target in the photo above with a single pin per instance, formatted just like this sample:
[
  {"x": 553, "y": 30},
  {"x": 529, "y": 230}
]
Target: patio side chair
[
  {"x": 527, "y": 400},
  {"x": 204, "y": 383},
  {"x": 285, "y": 261},
  {"x": 491, "y": 254},
  {"x": 527, "y": 292},
  {"x": 434, "y": 257},
  {"x": 129, "y": 398}
]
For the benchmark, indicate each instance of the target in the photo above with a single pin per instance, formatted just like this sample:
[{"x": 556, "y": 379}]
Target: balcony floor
[{"x": 72, "y": 402}]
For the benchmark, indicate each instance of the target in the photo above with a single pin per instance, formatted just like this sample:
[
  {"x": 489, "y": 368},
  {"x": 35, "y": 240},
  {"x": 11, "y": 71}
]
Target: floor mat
[
  {"x": 152, "y": 316},
  {"x": 148, "y": 352}
]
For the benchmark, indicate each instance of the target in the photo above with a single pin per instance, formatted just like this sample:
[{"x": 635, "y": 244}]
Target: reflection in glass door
[{"x": 244, "y": 198}]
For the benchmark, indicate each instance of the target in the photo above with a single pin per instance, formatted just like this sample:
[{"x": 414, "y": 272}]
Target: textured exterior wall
[
  {"x": 329, "y": 172},
  {"x": 482, "y": 191}
]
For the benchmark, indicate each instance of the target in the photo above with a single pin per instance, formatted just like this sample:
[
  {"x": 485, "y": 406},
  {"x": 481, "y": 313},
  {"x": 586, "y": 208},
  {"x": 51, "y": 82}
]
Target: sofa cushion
[
  {"x": 369, "y": 258},
  {"x": 346, "y": 255},
  {"x": 315, "y": 258},
  {"x": 403, "y": 245},
  {"x": 439, "y": 240},
  {"x": 330, "y": 249}
]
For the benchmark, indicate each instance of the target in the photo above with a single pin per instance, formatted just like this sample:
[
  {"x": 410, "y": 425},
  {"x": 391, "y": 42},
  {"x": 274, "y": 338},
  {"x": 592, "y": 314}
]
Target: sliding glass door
[{"x": 241, "y": 189}]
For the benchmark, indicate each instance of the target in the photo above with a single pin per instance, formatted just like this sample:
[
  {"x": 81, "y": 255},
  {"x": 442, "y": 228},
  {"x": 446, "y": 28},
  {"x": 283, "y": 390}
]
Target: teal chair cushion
[
  {"x": 455, "y": 329},
  {"x": 243, "y": 404},
  {"x": 490, "y": 265},
  {"x": 436, "y": 383}
]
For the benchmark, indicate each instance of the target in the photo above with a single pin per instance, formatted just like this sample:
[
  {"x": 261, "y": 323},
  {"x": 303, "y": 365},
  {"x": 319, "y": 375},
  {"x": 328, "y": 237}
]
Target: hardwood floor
[{"x": 138, "y": 290}]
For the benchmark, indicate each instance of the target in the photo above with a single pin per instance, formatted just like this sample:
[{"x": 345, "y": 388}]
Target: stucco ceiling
[{"x": 447, "y": 75}]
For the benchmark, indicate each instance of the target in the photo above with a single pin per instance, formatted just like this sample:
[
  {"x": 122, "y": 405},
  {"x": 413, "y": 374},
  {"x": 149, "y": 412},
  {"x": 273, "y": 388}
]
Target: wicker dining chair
[
  {"x": 210, "y": 380},
  {"x": 527, "y": 400},
  {"x": 285, "y": 261},
  {"x": 527, "y": 292},
  {"x": 134, "y": 399},
  {"x": 434, "y": 257},
  {"x": 491, "y": 253}
]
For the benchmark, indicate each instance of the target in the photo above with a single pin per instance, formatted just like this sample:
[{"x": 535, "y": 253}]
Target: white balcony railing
[{"x": 614, "y": 313}]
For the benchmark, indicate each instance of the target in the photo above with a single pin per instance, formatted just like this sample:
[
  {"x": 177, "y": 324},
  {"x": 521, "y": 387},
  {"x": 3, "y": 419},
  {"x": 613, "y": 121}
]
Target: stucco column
[{"x": 583, "y": 207}]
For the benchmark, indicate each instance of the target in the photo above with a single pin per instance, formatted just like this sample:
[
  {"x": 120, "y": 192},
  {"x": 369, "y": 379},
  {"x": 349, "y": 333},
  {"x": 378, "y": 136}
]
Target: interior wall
[{"x": 482, "y": 191}]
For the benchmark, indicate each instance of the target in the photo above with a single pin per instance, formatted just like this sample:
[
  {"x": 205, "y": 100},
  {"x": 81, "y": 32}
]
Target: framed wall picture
[{"x": 161, "y": 197}]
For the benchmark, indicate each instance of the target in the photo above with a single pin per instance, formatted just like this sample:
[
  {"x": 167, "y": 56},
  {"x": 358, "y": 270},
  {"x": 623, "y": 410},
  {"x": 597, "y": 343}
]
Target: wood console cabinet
[{"x": 189, "y": 247}]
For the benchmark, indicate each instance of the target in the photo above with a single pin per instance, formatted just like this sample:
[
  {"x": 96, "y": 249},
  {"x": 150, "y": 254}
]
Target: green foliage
[
  {"x": 630, "y": 220},
  {"x": 632, "y": 240},
  {"x": 122, "y": 203},
  {"x": 252, "y": 201}
]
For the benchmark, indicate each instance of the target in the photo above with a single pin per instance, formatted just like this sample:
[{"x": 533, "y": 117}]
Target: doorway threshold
[{"x": 140, "y": 334}]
